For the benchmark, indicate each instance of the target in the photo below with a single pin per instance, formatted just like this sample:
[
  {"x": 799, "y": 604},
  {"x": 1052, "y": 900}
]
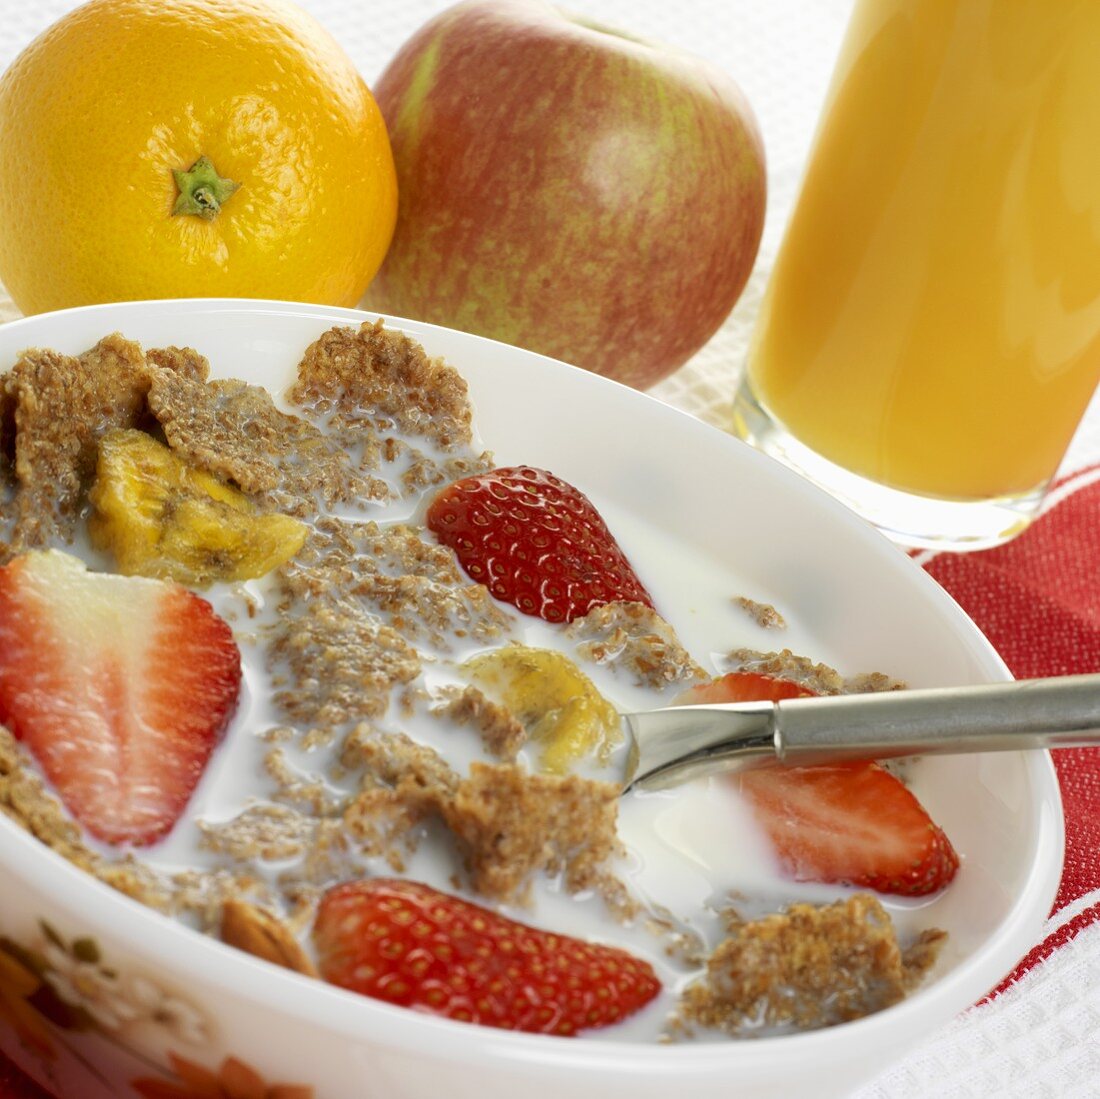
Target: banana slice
[
  {"x": 553, "y": 699},
  {"x": 160, "y": 517}
]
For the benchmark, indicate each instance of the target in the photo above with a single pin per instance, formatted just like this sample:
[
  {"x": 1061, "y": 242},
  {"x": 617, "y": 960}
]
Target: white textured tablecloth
[{"x": 1041, "y": 1039}]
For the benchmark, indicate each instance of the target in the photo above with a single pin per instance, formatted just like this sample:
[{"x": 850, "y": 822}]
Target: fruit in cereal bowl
[
  {"x": 535, "y": 542},
  {"x": 852, "y": 822},
  {"x": 119, "y": 687},
  {"x": 403, "y": 942},
  {"x": 364, "y": 751}
]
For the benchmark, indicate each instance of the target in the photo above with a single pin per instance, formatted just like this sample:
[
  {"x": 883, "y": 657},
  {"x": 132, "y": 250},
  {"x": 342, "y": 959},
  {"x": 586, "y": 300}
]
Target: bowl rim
[{"x": 154, "y": 937}]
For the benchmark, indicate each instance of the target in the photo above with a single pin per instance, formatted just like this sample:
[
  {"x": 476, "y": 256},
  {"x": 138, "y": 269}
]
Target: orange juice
[{"x": 933, "y": 319}]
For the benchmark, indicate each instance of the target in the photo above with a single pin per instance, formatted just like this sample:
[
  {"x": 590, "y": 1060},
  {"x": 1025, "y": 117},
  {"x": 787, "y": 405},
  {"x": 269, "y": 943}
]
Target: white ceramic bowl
[{"x": 861, "y": 604}]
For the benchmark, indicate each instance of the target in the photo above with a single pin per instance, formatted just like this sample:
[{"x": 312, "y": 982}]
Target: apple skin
[{"x": 567, "y": 189}]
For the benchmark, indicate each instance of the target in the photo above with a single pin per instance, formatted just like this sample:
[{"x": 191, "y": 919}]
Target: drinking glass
[{"x": 930, "y": 336}]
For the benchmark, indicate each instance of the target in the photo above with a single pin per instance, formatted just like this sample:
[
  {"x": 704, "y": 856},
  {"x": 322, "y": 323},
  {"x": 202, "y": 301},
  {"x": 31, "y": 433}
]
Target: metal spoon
[{"x": 679, "y": 743}]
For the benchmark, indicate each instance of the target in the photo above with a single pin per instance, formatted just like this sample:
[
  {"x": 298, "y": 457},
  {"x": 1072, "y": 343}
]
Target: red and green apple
[{"x": 567, "y": 188}]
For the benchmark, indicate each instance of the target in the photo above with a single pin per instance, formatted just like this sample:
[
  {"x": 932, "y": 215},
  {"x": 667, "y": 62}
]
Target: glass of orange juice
[{"x": 930, "y": 336}]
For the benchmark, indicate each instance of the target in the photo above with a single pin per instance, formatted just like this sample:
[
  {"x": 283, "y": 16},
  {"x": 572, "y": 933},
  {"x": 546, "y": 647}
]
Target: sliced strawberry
[
  {"x": 409, "y": 944},
  {"x": 119, "y": 686},
  {"x": 535, "y": 542},
  {"x": 743, "y": 687},
  {"x": 852, "y": 823}
]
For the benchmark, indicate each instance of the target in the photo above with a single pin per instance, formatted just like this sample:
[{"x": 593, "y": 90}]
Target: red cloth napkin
[{"x": 1037, "y": 599}]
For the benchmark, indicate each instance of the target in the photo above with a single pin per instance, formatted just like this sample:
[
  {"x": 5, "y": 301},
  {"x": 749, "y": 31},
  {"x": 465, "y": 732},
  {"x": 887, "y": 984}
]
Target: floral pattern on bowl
[{"x": 82, "y": 1027}]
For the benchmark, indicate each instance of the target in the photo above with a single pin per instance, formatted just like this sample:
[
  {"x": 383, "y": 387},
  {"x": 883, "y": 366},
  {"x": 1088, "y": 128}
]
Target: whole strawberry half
[
  {"x": 119, "y": 686},
  {"x": 409, "y": 944},
  {"x": 535, "y": 542},
  {"x": 852, "y": 823}
]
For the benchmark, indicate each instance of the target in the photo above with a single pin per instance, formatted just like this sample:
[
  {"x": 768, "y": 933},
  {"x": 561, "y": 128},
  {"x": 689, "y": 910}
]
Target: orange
[{"x": 103, "y": 116}]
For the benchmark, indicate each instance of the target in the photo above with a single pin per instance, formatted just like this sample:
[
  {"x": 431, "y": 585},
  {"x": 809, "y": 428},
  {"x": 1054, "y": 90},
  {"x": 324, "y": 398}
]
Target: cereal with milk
[{"x": 360, "y": 747}]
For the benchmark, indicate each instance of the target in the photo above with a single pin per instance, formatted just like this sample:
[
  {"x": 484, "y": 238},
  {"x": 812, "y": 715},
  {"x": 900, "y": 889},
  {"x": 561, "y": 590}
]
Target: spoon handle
[
  {"x": 1028, "y": 713},
  {"x": 673, "y": 745}
]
